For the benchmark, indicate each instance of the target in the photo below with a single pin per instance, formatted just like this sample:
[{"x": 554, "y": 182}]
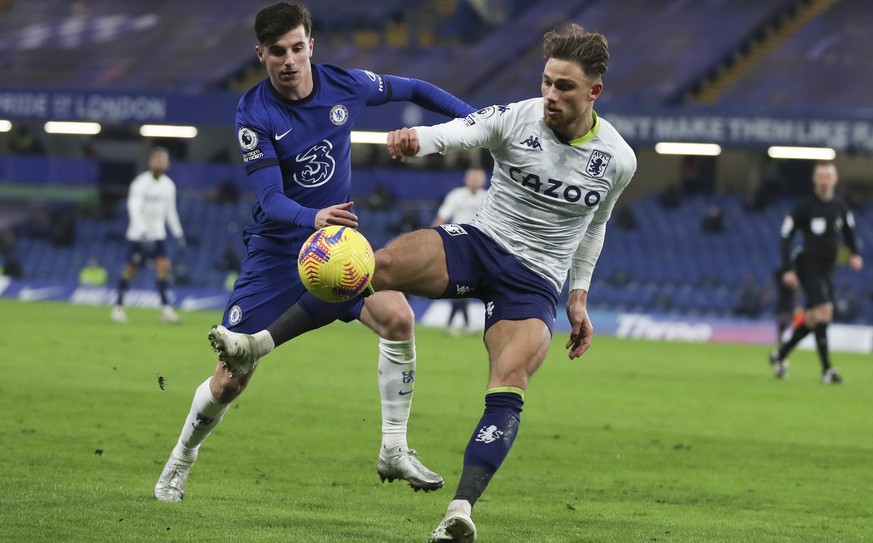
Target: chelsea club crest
[{"x": 339, "y": 114}]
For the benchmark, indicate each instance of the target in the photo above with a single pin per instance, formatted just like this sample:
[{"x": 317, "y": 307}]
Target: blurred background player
[
  {"x": 788, "y": 312},
  {"x": 294, "y": 132},
  {"x": 151, "y": 208},
  {"x": 822, "y": 219},
  {"x": 558, "y": 171},
  {"x": 460, "y": 206}
]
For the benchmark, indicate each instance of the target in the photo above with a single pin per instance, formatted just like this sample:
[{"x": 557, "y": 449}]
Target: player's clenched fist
[{"x": 403, "y": 143}]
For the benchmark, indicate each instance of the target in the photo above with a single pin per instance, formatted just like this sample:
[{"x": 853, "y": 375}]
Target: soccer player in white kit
[
  {"x": 151, "y": 207},
  {"x": 558, "y": 171}
]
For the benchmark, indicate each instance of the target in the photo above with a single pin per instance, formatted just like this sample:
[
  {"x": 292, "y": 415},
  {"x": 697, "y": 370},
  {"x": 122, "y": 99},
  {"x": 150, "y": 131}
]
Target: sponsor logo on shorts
[
  {"x": 489, "y": 309},
  {"x": 454, "y": 229}
]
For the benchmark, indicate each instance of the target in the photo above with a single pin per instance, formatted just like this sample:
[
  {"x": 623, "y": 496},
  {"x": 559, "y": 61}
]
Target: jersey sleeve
[
  {"x": 173, "y": 214},
  {"x": 484, "y": 128},
  {"x": 849, "y": 236},
  {"x": 786, "y": 233},
  {"x": 589, "y": 248},
  {"x": 253, "y": 130},
  {"x": 379, "y": 89},
  {"x": 427, "y": 95},
  {"x": 135, "y": 199}
]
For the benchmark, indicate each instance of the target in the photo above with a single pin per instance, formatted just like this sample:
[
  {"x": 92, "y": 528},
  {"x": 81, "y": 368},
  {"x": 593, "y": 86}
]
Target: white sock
[
  {"x": 462, "y": 506},
  {"x": 204, "y": 416},
  {"x": 396, "y": 382},
  {"x": 265, "y": 342}
]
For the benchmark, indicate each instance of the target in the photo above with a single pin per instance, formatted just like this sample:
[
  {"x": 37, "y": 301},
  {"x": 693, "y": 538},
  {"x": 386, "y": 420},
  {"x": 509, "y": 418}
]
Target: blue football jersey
[{"x": 310, "y": 141}]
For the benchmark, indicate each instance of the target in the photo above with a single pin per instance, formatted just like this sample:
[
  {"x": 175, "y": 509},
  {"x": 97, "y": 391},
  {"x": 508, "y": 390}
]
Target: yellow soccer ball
[{"x": 336, "y": 263}]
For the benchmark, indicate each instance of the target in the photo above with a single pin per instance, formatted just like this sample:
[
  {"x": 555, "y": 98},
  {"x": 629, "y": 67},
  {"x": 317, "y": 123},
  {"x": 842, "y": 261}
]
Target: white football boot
[
  {"x": 832, "y": 377},
  {"x": 118, "y": 314},
  {"x": 169, "y": 315},
  {"x": 456, "y": 526},
  {"x": 237, "y": 352},
  {"x": 780, "y": 367},
  {"x": 171, "y": 485},
  {"x": 405, "y": 465}
]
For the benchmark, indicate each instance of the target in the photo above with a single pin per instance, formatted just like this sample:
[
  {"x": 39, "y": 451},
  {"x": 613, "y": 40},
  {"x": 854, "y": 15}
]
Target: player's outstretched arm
[{"x": 582, "y": 330}]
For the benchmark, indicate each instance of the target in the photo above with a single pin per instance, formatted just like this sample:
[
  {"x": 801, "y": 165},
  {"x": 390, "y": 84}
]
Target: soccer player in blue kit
[
  {"x": 559, "y": 169},
  {"x": 294, "y": 131}
]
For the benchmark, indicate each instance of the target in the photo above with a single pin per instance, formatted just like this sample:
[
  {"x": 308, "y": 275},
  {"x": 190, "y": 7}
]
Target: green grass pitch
[{"x": 636, "y": 442}]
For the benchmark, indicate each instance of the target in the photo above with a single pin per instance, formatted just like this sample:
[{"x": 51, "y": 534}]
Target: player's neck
[{"x": 578, "y": 129}]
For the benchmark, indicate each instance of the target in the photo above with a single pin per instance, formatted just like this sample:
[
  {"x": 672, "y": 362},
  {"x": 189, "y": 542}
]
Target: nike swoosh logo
[
  {"x": 283, "y": 134},
  {"x": 405, "y": 392}
]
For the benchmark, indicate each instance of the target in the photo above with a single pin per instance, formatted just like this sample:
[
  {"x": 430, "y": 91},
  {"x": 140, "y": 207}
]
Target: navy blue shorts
[
  {"x": 269, "y": 284},
  {"x": 138, "y": 252},
  {"x": 480, "y": 268}
]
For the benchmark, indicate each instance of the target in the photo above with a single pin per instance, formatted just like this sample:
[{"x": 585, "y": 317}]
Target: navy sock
[
  {"x": 307, "y": 314},
  {"x": 490, "y": 443},
  {"x": 123, "y": 283},
  {"x": 163, "y": 287}
]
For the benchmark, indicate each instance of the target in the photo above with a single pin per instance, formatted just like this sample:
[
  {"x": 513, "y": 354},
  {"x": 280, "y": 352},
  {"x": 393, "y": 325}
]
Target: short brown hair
[
  {"x": 278, "y": 19},
  {"x": 588, "y": 49}
]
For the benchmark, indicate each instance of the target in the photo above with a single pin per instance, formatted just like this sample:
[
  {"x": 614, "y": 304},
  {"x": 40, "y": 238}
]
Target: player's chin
[{"x": 552, "y": 120}]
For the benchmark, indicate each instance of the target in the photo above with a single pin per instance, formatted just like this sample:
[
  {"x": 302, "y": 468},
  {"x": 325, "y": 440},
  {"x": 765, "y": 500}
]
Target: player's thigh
[
  {"x": 388, "y": 314},
  {"x": 414, "y": 263},
  {"x": 516, "y": 350},
  {"x": 821, "y": 313}
]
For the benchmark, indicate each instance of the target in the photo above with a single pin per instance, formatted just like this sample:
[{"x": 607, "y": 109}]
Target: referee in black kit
[{"x": 823, "y": 218}]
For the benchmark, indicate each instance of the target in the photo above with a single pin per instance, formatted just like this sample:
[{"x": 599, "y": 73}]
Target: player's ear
[
  {"x": 311, "y": 46},
  {"x": 260, "y": 53},
  {"x": 596, "y": 89}
]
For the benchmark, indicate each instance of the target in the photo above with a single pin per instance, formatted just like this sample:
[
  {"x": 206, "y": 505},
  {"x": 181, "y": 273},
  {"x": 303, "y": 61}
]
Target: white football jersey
[
  {"x": 151, "y": 206},
  {"x": 549, "y": 200}
]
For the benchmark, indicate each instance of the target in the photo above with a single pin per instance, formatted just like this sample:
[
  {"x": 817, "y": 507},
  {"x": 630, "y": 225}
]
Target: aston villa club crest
[{"x": 598, "y": 163}]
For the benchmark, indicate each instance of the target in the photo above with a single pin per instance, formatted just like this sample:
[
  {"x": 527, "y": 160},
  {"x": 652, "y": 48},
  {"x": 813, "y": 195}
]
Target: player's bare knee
[
  {"x": 399, "y": 325},
  {"x": 384, "y": 266}
]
